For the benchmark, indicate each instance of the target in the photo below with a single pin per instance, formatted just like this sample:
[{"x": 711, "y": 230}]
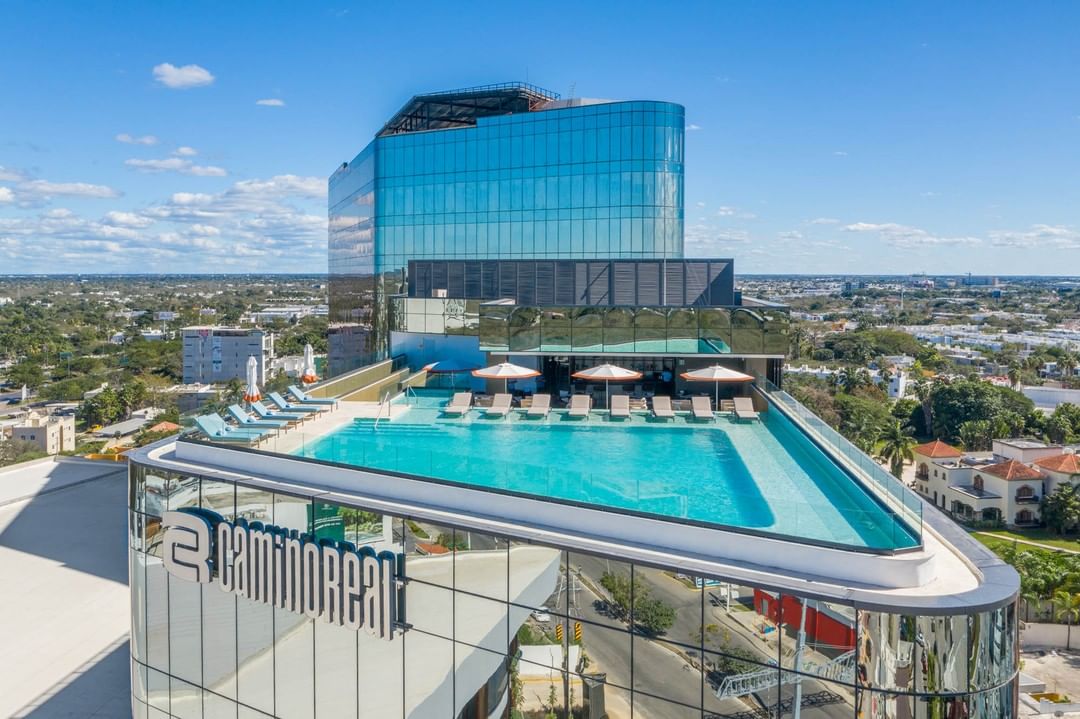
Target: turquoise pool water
[{"x": 763, "y": 476}]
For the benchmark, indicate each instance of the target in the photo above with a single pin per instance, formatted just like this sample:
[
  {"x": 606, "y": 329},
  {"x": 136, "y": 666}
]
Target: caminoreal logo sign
[{"x": 326, "y": 579}]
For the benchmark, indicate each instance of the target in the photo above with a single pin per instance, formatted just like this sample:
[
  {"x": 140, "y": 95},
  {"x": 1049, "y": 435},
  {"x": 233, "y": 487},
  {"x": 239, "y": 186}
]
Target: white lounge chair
[
  {"x": 702, "y": 408},
  {"x": 620, "y": 407},
  {"x": 661, "y": 407},
  {"x": 580, "y": 404},
  {"x": 500, "y": 406},
  {"x": 744, "y": 408},
  {"x": 727, "y": 406},
  {"x": 460, "y": 403},
  {"x": 541, "y": 405}
]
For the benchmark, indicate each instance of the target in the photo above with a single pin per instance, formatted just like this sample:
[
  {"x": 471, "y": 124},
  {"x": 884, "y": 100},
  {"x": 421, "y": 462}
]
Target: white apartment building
[
  {"x": 217, "y": 354},
  {"x": 53, "y": 434},
  {"x": 1004, "y": 485}
]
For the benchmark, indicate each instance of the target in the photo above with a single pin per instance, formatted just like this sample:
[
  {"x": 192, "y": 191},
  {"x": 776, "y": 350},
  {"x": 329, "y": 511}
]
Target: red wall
[{"x": 820, "y": 627}]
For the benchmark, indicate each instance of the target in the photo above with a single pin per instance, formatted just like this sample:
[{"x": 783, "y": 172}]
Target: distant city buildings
[{"x": 217, "y": 354}]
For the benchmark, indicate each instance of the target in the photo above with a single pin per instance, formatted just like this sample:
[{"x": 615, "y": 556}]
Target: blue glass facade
[{"x": 588, "y": 181}]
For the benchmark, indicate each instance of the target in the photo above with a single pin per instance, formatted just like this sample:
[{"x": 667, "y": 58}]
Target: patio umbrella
[
  {"x": 450, "y": 367},
  {"x": 716, "y": 374},
  {"x": 251, "y": 394},
  {"x": 606, "y": 373},
  {"x": 506, "y": 372},
  {"x": 309, "y": 376}
]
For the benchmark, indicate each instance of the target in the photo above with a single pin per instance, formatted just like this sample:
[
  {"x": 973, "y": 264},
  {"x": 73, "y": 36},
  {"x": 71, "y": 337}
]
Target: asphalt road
[{"x": 668, "y": 673}]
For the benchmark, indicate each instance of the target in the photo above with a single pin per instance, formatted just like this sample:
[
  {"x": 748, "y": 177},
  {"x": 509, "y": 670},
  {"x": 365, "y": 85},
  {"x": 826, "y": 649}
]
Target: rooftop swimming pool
[{"x": 765, "y": 477}]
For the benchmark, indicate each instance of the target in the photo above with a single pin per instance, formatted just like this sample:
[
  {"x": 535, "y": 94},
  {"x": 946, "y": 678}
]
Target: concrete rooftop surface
[{"x": 63, "y": 559}]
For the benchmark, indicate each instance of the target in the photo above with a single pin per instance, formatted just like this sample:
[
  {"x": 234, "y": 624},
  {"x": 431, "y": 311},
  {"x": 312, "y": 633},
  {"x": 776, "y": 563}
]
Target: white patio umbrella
[
  {"x": 505, "y": 371},
  {"x": 309, "y": 376},
  {"x": 251, "y": 394},
  {"x": 716, "y": 374},
  {"x": 607, "y": 373}
]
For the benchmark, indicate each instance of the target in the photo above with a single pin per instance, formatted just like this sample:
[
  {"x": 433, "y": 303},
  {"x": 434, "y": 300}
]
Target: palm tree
[
  {"x": 924, "y": 392},
  {"x": 895, "y": 445},
  {"x": 1067, "y": 607},
  {"x": 1014, "y": 376}
]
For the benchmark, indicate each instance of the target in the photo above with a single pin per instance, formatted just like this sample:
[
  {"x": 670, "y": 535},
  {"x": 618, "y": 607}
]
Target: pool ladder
[{"x": 384, "y": 401}]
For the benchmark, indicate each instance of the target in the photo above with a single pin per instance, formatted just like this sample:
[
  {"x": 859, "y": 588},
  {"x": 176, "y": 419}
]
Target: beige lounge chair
[
  {"x": 744, "y": 408},
  {"x": 620, "y": 407},
  {"x": 580, "y": 404},
  {"x": 702, "y": 408},
  {"x": 459, "y": 404},
  {"x": 541, "y": 405},
  {"x": 727, "y": 405},
  {"x": 500, "y": 406},
  {"x": 661, "y": 407}
]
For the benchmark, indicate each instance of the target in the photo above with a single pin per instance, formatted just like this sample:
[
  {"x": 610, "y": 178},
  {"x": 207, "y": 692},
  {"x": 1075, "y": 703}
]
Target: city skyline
[{"x": 824, "y": 141}]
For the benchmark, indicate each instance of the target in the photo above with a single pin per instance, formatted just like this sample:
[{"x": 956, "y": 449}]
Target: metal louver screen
[
  {"x": 598, "y": 283},
  {"x": 673, "y": 284},
  {"x": 648, "y": 283},
  {"x": 697, "y": 282},
  {"x": 545, "y": 283},
  {"x": 489, "y": 278},
  {"x": 565, "y": 283},
  {"x": 455, "y": 279},
  {"x": 526, "y": 283},
  {"x": 624, "y": 283}
]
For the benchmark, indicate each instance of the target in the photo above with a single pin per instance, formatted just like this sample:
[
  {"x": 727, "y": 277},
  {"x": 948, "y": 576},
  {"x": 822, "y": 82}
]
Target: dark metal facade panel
[
  {"x": 636, "y": 283},
  {"x": 624, "y": 283}
]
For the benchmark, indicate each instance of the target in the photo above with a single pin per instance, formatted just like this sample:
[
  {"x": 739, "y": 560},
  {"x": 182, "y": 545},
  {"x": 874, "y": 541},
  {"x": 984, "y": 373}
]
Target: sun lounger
[
  {"x": 702, "y": 408},
  {"x": 580, "y": 404},
  {"x": 214, "y": 428},
  {"x": 460, "y": 403},
  {"x": 744, "y": 408},
  {"x": 262, "y": 412},
  {"x": 727, "y": 405},
  {"x": 620, "y": 407},
  {"x": 286, "y": 406},
  {"x": 661, "y": 407},
  {"x": 243, "y": 419},
  {"x": 304, "y": 398},
  {"x": 500, "y": 406},
  {"x": 541, "y": 405}
]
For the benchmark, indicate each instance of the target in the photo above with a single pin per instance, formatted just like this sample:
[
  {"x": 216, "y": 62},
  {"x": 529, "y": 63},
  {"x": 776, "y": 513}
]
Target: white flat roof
[{"x": 65, "y": 622}]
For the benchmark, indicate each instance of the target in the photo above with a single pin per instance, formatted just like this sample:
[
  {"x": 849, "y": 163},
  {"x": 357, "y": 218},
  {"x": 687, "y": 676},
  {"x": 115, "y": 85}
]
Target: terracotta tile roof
[
  {"x": 1064, "y": 463},
  {"x": 164, "y": 426},
  {"x": 937, "y": 449},
  {"x": 1011, "y": 470}
]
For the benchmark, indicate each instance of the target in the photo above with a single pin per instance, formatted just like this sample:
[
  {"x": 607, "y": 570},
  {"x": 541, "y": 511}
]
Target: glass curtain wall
[{"x": 500, "y": 627}]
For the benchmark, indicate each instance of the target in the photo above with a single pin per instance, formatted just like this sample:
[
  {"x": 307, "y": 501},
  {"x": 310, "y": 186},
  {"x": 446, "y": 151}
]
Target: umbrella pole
[{"x": 716, "y": 404}]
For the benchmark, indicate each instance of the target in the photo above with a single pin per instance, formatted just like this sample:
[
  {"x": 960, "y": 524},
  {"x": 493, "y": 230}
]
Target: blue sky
[{"x": 823, "y": 137}]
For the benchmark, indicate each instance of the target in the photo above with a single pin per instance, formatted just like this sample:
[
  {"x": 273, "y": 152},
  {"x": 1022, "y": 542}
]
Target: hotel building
[{"x": 387, "y": 559}]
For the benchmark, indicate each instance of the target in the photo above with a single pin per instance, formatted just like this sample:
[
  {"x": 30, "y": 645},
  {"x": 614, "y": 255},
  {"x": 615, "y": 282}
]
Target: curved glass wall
[
  {"x": 594, "y": 181},
  {"x": 500, "y": 627}
]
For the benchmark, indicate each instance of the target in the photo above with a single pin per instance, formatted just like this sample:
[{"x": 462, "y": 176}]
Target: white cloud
[
  {"x": 176, "y": 164},
  {"x": 136, "y": 140},
  {"x": 908, "y": 237},
  {"x": 700, "y": 204},
  {"x": 839, "y": 153},
  {"x": 271, "y": 102},
  {"x": 725, "y": 211},
  {"x": 824, "y": 221},
  {"x": 185, "y": 151},
  {"x": 46, "y": 189},
  {"x": 790, "y": 235},
  {"x": 692, "y": 126},
  {"x": 182, "y": 78},
  {"x": 263, "y": 224},
  {"x": 6, "y": 196},
  {"x": 127, "y": 219},
  {"x": 1056, "y": 237},
  {"x": 9, "y": 175}
]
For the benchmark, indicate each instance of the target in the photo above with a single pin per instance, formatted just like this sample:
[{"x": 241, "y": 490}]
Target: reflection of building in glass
[{"x": 740, "y": 560}]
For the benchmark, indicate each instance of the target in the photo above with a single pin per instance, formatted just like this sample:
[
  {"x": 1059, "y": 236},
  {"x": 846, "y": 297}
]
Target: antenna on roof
[{"x": 573, "y": 86}]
